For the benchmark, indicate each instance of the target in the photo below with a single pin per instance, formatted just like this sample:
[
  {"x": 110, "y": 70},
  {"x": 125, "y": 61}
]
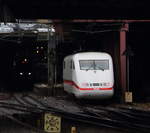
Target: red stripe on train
[{"x": 69, "y": 82}]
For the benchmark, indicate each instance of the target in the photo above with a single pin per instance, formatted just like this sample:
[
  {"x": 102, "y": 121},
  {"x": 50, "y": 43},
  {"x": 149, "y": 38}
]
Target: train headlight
[
  {"x": 20, "y": 73},
  {"x": 85, "y": 84},
  {"x": 106, "y": 84},
  {"x": 29, "y": 73}
]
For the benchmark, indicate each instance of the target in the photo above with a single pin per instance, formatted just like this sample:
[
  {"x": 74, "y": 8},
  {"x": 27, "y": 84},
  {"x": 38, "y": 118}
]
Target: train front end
[{"x": 94, "y": 77}]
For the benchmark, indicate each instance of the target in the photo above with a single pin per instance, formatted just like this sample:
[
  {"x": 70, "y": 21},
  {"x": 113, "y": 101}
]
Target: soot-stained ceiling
[{"x": 68, "y": 9}]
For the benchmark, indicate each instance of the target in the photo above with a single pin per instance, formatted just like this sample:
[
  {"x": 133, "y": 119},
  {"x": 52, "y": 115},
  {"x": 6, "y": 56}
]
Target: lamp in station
[
  {"x": 52, "y": 29},
  {"x": 29, "y": 73},
  {"x": 21, "y": 73}
]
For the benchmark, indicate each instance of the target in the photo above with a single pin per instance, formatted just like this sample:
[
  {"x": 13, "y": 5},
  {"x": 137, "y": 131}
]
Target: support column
[
  {"x": 51, "y": 61},
  {"x": 123, "y": 73}
]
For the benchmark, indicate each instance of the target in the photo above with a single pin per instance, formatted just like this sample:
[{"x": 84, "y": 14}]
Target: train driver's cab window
[
  {"x": 101, "y": 64},
  {"x": 94, "y": 64},
  {"x": 86, "y": 64}
]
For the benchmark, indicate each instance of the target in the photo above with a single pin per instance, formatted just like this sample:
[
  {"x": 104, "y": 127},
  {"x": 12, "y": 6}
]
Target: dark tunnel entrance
[
  {"x": 20, "y": 66},
  {"x": 138, "y": 40},
  {"x": 81, "y": 41}
]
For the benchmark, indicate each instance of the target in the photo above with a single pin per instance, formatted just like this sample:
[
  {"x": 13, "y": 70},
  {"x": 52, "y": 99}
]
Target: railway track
[{"x": 123, "y": 119}]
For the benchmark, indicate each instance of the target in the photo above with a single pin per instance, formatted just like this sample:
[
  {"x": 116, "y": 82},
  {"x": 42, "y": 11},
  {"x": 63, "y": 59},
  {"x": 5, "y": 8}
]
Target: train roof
[{"x": 88, "y": 55}]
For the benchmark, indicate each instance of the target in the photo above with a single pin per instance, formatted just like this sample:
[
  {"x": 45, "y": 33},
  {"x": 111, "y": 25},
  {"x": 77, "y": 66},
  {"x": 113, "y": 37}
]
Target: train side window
[
  {"x": 64, "y": 64},
  {"x": 73, "y": 66}
]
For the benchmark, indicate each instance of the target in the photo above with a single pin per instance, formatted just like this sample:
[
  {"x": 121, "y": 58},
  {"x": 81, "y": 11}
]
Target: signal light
[{"x": 24, "y": 61}]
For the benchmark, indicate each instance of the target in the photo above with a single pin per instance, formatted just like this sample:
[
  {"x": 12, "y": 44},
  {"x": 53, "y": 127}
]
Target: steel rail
[
  {"x": 21, "y": 123},
  {"x": 130, "y": 123},
  {"x": 86, "y": 118},
  {"x": 76, "y": 117},
  {"x": 136, "y": 124},
  {"x": 81, "y": 118}
]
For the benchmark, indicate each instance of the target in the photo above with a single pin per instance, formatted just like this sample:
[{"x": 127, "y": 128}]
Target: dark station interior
[
  {"x": 13, "y": 52},
  {"x": 32, "y": 89},
  {"x": 99, "y": 36}
]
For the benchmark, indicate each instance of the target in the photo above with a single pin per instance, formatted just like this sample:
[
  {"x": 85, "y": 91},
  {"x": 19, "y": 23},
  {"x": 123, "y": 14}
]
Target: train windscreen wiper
[
  {"x": 89, "y": 68},
  {"x": 99, "y": 68}
]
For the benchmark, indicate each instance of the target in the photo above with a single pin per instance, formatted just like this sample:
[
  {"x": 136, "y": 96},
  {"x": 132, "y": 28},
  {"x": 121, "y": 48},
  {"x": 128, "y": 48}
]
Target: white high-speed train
[{"x": 89, "y": 75}]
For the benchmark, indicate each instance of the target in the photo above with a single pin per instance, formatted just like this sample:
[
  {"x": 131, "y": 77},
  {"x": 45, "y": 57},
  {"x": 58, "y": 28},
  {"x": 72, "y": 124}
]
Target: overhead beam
[{"x": 101, "y": 20}]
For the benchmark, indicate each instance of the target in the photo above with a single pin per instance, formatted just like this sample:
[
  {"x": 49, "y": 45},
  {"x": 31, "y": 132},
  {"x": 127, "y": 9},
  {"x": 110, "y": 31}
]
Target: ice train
[{"x": 89, "y": 75}]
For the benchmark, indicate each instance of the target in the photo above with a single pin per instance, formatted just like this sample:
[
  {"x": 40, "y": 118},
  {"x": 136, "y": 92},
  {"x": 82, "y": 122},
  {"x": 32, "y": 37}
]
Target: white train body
[{"x": 89, "y": 75}]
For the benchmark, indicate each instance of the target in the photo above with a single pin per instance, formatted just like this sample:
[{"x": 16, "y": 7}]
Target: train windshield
[{"x": 94, "y": 64}]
